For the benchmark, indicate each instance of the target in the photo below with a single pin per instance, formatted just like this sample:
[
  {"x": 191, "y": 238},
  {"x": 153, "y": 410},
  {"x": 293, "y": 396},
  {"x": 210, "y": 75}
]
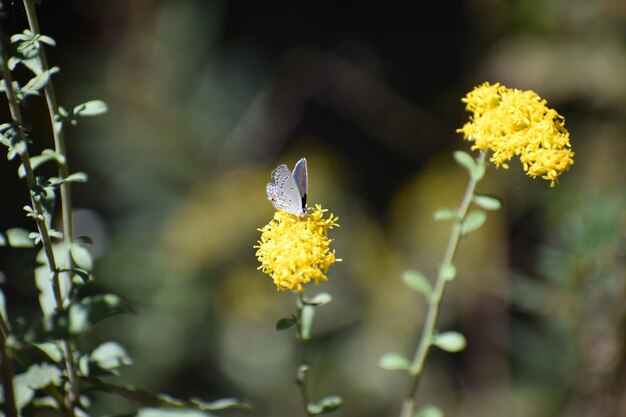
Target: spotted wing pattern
[{"x": 283, "y": 192}]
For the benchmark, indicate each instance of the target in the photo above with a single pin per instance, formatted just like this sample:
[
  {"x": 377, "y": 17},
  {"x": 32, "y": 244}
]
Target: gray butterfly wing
[
  {"x": 301, "y": 176},
  {"x": 284, "y": 192}
]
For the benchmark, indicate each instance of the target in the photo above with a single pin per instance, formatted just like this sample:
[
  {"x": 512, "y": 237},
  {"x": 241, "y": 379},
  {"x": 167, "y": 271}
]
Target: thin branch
[
  {"x": 65, "y": 191},
  {"x": 417, "y": 366},
  {"x": 303, "y": 367},
  {"x": 10, "y": 409},
  {"x": 42, "y": 227}
]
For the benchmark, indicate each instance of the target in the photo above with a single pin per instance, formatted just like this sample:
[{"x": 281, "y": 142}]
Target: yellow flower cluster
[
  {"x": 512, "y": 122},
  {"x": 295, "y": 250}
]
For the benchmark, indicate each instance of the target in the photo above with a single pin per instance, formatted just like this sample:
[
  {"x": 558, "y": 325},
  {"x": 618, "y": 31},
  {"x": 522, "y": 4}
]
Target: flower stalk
[
  {"x": 434, "y": 302},
  {"x": 304, "y": 366}
]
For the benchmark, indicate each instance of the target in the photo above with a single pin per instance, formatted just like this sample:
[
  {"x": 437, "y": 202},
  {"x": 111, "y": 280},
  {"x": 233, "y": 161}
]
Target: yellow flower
[
  {"x": 513, "y": 122},
  {"x": 295, "y": 250}
]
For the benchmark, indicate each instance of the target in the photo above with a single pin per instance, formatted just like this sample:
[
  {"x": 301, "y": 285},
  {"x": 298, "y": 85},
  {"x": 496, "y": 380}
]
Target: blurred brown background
[{"x": 207, "y": 97}]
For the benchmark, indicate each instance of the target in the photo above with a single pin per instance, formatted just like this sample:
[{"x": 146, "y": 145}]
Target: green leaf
[
  {"x": 91, "y": 108},
  {"x": 465, "y": 160},
  {"x": 47, "y": 39},
  {"x": 79, "y": 276},
  {"x": 448, "y": 272},
  {"x": 3, "y": 308},
  {"x": 84, "y": 240},
  {"x": 450, "y": 341},
  {"x": 150, "y": 400},
  {"x": 83, "y": 366},
  {"x": 429, "y": 411},
  {"x": 52, "y": 350},
  {"x": 23, "y": 393},
  {"x": 165, "y": 412},
  {"x": 81, "y": 256},
  {"x": 103, "y": 306},
  {"x": 3, "y": 241},
  {"x": 76, "y": 319},
  {"x": 38, "y": 82},
  {"x": 18, "y": 238},
  {"x": 473, "y": 221},
  {"x": 76, "y": 177},
  {"x": 36, "y": 161},
  {"x": 325, "y": 405},
  {"x": 222, "y": 404},
  {"x": 285, "y": 323},
  {"x": 39, "y": 376},
  {"x": 475, "y": 169},
  {"x": 487, "y": 202},
  {"x": 31, "y": 63},
  {"x": 418, "y": 282},
  {"x": 308, "y": 313},
  {"x": 110, "y": 355},
  {"x": 479, "y": 172},
  {"x": 394, "y": 362},
  {"x": 319, "y": 299},
  {"x": 24, "y": 36},
  {"x": 445, "y": 214},
  {"x": 49, "y": 402}
]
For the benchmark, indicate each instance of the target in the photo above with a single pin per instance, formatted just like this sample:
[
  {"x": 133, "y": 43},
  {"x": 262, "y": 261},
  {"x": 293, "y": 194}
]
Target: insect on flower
[{"x": 288, "y": 191}]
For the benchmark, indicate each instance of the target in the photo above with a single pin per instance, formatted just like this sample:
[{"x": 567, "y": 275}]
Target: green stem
[
  {"x": 65, "y": 191},
  {"x": 417, "y": 366},
  {"x": 16, "y": 115},
  {"x": 59, "y": 137},
  {"x": 42, "y": 227},
  {"x": 6, "y": 363},
  {"x": 304, "y": 366}
]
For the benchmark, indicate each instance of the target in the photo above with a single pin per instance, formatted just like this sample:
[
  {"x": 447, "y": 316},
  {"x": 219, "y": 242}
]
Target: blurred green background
[{"x": 207, "y": 97}]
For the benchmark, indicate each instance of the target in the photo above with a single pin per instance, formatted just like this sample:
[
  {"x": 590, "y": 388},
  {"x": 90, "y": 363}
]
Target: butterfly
[{"x": 289, "y": 190}]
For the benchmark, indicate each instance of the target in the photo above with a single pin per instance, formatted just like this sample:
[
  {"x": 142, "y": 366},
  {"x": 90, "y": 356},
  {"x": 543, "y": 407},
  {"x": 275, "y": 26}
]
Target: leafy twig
[
  {"x": 39, "y": 217},
  {"x": 10, "y": 409},
  {"x": 417, "y": 365},
  {"x": 65, "y": 191},
  {"x": 148, "y": 399}
]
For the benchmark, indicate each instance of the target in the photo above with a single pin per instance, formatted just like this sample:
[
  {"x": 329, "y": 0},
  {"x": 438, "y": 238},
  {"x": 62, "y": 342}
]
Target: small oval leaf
[
  {"x": 91, "y": 108},
  {"x": 429, "y": 411},
  {"x": 465, "y": 160},
  {"x": 110, "y": 355},
  {"x": 394, "y": 362},
  {"x": 450, "y": 341},
  {"x": 445, "y": 214},
  {"x": 418, "y": 282},
  {"x": 19, "y": 238},
  {"x": 325, "y": 405},
  {"x": 76, "y": 177},
  {"x": 40, "y": 376},
  {"x": 52, "y": 350},
  {"x": 473, "y": 221},
  {"x": 487, "y": 202},
  {"x": 81, "y": 256},
  {"x": 285, "y": 323},
  {"x": 308, "y": 313},
  {"x": 171, "y": 412},
  {"x": 319, "y": 299},
  {"x": 3, "y": 308}
]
